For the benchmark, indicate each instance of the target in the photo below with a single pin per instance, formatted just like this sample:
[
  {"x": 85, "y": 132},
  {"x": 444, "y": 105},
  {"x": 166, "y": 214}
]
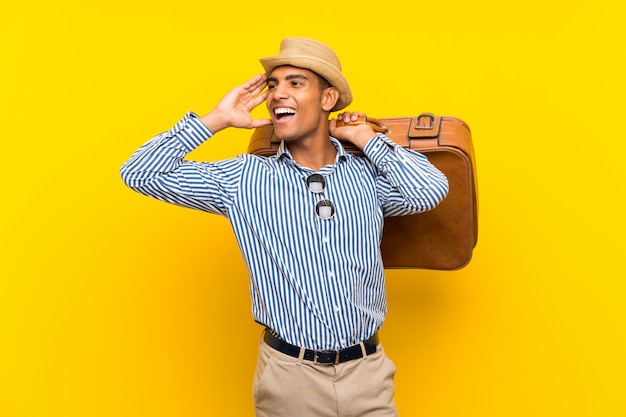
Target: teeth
[{"x": 284, "y": 110}]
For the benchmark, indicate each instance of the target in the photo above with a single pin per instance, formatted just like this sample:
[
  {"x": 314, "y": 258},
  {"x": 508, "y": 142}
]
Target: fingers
[
  {"x": 359, "y": 118},
  {"x": 254, "y": 90},
  {"x": 354, "y": 116},
  {"x": 258, "y": 99},
  {"x": 349, "y": 123},
  {"x": 352, "y": 127},
  {"x": 256, "y": 84}
]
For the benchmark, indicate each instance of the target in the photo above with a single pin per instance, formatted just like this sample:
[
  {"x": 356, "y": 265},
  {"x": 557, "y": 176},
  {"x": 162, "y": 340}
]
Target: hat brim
[{"x": 334, "y": 77}]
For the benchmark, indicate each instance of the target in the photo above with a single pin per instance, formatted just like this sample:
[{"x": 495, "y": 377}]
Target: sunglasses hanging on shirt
[{"x": 324, "y": 209}]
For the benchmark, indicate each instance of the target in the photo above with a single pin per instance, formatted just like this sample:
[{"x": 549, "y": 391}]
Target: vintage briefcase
[{"x": 445, "y": 237}]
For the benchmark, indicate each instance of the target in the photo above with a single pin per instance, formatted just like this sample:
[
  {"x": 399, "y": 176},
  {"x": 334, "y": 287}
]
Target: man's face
[{"x": 295, "y": 103}]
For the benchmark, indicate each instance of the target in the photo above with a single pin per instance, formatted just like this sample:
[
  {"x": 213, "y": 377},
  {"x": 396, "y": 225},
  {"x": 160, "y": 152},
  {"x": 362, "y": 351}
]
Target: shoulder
[
  {"x": 258, "y": 162},
  {"x": 360, "y": 160},
  {"x": 255, "y": 159}
]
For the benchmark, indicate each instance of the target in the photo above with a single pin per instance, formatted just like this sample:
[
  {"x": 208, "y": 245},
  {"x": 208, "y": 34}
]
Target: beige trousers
[{"x": 290, "y": 387}]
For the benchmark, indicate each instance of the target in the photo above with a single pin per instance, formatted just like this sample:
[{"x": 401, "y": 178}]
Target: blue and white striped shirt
[{"x": 317, "y": 283}]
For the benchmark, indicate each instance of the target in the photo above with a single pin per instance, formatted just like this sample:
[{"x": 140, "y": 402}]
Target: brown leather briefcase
[{"x": 443, "y": 238}]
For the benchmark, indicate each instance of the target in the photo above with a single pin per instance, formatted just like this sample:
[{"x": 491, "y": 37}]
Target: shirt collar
[{"x": 283, "y": 151}]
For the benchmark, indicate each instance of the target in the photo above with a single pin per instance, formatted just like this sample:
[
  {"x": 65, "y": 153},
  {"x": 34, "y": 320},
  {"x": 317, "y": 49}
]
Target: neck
[{"x": 313, "y": 154}]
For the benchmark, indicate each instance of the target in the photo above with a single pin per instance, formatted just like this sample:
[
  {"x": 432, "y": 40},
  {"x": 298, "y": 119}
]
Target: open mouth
[{"x": 283, "y": 114}]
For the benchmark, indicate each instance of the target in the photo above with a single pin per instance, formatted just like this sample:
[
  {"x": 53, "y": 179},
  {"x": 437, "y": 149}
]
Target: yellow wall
[{"x": 107, "y": 310}]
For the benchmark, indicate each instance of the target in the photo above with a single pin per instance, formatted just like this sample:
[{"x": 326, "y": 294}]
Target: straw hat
[{"x": 315, "y": 56}]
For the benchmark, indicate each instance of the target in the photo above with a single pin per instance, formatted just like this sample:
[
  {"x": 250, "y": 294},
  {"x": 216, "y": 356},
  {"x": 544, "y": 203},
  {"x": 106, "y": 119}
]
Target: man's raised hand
[{"x": 234, "y": 108}]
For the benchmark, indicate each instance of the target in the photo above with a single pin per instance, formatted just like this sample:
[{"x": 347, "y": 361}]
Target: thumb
[{"x": 261, "y": 122}]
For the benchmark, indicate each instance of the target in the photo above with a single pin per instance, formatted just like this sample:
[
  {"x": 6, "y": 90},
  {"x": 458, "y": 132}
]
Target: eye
[
  {"x": 271, "y": 86},
  {"x": 296, "y": 83}
]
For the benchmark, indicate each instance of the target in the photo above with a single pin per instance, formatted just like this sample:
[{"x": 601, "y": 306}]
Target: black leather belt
[{"x": 322, "y": 356}]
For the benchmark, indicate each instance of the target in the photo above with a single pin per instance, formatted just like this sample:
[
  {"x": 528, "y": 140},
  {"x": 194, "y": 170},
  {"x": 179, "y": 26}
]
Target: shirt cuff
[
  {"x": 378, "y": 148},
  {"x": 191, "y": 131}
]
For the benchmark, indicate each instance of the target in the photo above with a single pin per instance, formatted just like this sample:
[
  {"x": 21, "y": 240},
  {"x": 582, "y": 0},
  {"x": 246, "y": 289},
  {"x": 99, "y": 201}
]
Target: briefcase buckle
[{"x": 429, "y": 121}]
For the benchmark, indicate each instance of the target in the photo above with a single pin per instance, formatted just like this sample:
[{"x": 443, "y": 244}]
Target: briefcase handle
[
  {"x": 376, "y": 124},
  {"x": 426, "y": 125}
]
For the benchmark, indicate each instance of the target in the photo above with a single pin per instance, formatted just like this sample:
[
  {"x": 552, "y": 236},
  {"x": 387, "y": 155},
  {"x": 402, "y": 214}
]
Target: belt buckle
[{"x": 315, "y": 357}]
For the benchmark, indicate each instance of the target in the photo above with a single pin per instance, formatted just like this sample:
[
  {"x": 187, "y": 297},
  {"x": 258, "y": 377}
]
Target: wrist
[
  {"x": 362, "y": 139},
  {"x": 214, "y": 121}
]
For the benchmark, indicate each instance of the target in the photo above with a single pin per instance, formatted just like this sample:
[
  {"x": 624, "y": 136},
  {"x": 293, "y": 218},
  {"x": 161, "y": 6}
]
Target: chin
[{"x": 282, "y": 135}]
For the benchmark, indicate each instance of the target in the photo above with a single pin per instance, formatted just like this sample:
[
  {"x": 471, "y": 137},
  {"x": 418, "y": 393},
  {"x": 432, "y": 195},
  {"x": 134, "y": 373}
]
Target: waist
[{"x": 360, "y": 350}]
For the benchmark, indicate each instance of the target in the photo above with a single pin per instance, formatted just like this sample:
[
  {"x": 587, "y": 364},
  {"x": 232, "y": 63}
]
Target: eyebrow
[{"x": 289, "y": 77}]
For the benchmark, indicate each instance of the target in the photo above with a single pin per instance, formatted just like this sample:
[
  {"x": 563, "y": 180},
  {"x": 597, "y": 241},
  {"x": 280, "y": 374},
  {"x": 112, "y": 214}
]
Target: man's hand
[
  {"x": 358, "y": 134},
  {"x": 234, "y": 108}
]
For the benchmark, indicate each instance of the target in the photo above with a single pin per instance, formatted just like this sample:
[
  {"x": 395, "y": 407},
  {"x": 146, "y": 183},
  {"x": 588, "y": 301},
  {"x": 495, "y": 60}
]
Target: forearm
[
  {"x": 165, "y": 152},
  {"x": 215, "y": 121},
  {"x": 415, "y": 185},
  {"x": 159, "y": 170}
]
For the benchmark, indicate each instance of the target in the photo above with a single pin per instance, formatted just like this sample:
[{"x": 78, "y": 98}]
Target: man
[{"x": 308, "y": 222}]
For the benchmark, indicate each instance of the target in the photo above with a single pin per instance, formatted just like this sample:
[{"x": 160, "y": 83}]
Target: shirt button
[
  {"x": 331, "y": 274},
  {"x": 337, "y": 309},
  {"x": 343, "y": 341},
  {"x": 325, "y": 239}
]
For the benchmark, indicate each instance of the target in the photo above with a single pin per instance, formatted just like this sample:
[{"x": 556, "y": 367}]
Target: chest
[{"x": 278, "y": 197}]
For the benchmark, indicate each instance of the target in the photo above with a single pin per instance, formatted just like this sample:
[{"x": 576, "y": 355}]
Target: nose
[{"x": 280, "y": 92}]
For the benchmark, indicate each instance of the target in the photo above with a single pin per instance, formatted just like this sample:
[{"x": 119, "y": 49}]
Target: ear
[{"x": 330, "y": 96}]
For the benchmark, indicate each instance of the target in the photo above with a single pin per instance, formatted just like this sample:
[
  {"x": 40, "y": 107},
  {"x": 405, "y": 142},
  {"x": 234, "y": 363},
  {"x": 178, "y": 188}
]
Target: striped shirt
[{"x": 317, "y": 283}]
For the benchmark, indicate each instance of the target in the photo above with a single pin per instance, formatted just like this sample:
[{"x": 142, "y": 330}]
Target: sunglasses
[{"x": 324, "y": 209}]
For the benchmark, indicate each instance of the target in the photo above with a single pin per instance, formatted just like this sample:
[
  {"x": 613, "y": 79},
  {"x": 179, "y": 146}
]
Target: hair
[{"x": 323, "y": 82}]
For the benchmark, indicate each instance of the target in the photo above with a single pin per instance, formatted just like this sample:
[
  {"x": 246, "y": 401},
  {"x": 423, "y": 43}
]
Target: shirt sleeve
[
  {"x": 159, "y": 170},
  {"x": 408, "y": 183}
]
